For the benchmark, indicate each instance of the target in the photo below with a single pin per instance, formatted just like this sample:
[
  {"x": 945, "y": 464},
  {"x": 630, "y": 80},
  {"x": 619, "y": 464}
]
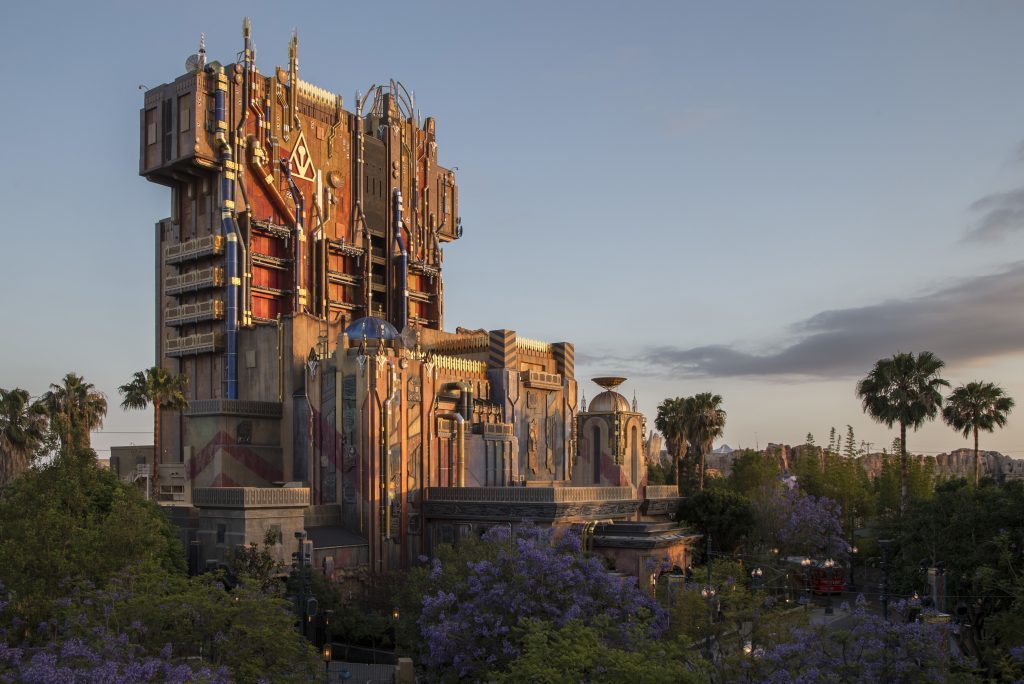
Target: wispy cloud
[
  {"x": 1001, "y": 214},
  {"x": 970, "y": 320}
]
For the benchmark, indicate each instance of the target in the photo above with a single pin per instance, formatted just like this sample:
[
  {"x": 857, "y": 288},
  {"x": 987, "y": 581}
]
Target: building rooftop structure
[{"x": 300, "y": 289}]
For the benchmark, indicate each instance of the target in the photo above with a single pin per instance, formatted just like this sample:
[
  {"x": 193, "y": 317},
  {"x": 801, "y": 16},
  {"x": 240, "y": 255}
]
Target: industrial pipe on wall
[
  {"x": 403, "y": 270},
  {"x": 228, "y": 228},
  {"x": 300, "y": 235},
  {"x": 385, "y": 460},
  {"x": 460, "y": 446}
]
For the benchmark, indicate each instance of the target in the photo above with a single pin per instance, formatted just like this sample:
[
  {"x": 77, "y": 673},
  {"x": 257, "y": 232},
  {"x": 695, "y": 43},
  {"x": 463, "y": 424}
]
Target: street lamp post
[
  {"x": 806, "y": 565},
  {"x": 829, "y": 570},
  {"x": 708, "y": 592},
  {"x": 394, "y": 628},
  {"x": 755, "y": 580},
  {"x": 327, "y": 662},
  {"x": 853, "y": 565}
]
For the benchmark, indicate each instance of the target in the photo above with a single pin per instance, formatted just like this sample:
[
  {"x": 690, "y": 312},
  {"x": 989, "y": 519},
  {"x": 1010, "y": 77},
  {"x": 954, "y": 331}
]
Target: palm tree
[
  {"x": 903, "y": 389},
  {"x": 671, "y": 423},
  {"x": 22, "y": 431},
  {"x": 75, "y": 408},
  {"x": 156, "y": 386},
  {"x": 705, "y": 420},
  {"x": 976, "y": 406}
]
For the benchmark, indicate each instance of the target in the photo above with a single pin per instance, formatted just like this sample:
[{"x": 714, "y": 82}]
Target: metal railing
[
  {"x": 530, "y": 494},
  {"x": 194, "y": 280},
  {"x": 210, "y": 245},
  {"x": 210, "y": 310},
  {"x": 661, "y": 492},
  {"x": 194, "y": 344}
]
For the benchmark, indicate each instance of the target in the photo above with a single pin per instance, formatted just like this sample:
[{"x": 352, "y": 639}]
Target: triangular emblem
[{"x": 301, "y": 161}]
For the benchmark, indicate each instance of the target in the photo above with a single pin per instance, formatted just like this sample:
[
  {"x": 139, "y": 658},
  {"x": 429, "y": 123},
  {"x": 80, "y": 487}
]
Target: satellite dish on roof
[{"x": 192, "y": 64}]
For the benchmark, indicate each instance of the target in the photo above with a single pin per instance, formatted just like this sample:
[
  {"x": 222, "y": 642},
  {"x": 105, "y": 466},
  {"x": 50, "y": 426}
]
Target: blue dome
[{"x": 372, "y": 327}]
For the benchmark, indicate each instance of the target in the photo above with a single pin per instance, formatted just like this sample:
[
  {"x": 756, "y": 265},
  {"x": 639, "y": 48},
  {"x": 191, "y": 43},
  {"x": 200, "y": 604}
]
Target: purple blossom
[{"x": 474, "y": 627}]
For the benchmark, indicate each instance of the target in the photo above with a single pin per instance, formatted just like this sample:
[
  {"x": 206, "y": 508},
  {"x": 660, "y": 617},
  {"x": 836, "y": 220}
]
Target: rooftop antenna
[{"x": 202, "y": 50}]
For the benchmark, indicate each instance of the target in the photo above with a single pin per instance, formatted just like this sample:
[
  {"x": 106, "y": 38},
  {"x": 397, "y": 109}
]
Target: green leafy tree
[
  {"x": 974, "y": 534},
  {"x": 977, "y": 406},
  {"x": 257, "y": 564},
  {"x": 162, "y": 389},
  {"x": 920, "y": 481},
  {"x": 724, "y": 514},
  {"x": 74, "y": 520},
  {"x": 850, "y": 446},
  {"x": 753, "y": 473},
  {"x": 576, "y": 652},
  {"x": 809, "y": 440},
  {"x": 75, "y": 408},
  {"x": 704, "y": 422},
  {"x": 671, "y": 423},
  {"x": 904, "y": 390},
  {"x": 23, "y": 429},
  {"x": 246, "y": 630}
]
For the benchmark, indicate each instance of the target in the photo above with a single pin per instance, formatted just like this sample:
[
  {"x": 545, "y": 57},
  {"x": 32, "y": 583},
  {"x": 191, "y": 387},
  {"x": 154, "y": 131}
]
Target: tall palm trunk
[
  {"x": 904, "y": 469},
  {"x": 977, "y": 462},
  {"x": 700, "y": 482},
  {"x": 154, "y": 476}
]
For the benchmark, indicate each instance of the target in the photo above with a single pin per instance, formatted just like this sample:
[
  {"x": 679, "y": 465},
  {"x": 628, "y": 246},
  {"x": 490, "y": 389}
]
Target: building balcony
[
  {"x": 194, "y": 280},
  {"x": 497, "y": 431},
  {"x": 211, "y": 310},
  {"x": 198, "y": 248},
  {"x": 204, "y": 343},
  {"x": 541, "y": 380}
]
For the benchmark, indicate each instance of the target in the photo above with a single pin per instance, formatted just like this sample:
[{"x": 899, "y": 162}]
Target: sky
[{"x": 752, "y": 199}]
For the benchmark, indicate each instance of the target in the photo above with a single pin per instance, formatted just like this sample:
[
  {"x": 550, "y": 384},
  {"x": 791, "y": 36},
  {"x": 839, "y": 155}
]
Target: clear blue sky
[{"x": 681, "y": 189}]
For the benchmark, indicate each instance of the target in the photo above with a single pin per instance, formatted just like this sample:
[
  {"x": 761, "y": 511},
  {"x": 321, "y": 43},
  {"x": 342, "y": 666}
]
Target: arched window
[
  {"x": 597, "y": 454},
  {"x": 634, "y": 456}
]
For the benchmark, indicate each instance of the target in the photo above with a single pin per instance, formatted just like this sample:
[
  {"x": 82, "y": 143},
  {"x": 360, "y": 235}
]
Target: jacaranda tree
[{"x": 478, "y": 602}]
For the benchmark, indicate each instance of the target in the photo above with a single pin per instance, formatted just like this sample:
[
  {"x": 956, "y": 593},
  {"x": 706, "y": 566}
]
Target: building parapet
[
  {"x": 317, "y": 94},
  {"x": 661, "y": 492},
  {"x": 250, "y": 497},
  {"x": 454, "y": 363},
  {"x": 234, "y": 407},
  {"x": 529, "y": 494},
  {"x": 208, "y": 245},
  {"x": 462, "y": 344},
  {"x": 525, "y": 343}
]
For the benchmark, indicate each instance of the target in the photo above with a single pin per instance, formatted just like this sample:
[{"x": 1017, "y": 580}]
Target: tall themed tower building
[
  {"x": 299, "y": 288},
  {"x": 290, "y": 218}
]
